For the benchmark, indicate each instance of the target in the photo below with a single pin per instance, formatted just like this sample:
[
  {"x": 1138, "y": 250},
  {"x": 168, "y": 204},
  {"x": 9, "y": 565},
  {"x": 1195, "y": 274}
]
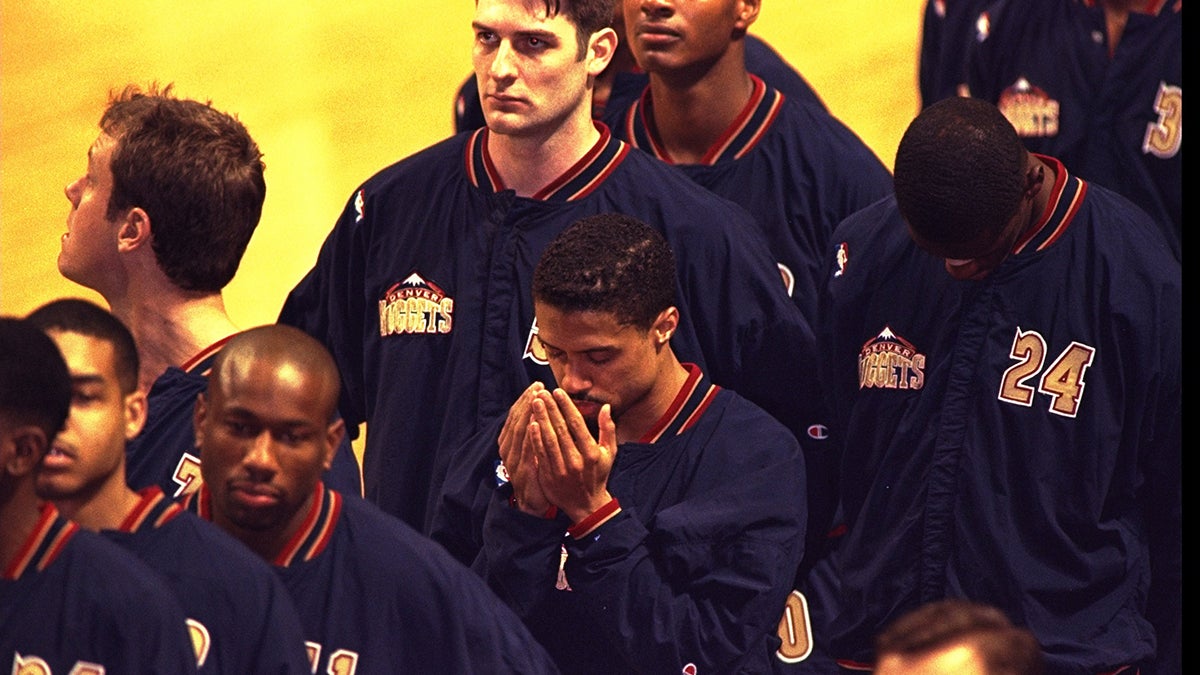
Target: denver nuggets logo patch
[
  {"x": 415, "y": 306},
  {"x": 888, "y": 361},
  {"x": 1032, "y": 112}
]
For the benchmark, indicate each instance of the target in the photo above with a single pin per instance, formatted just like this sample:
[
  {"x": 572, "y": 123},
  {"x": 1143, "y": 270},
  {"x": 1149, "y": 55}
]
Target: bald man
[{"x": 373, "y": 594}]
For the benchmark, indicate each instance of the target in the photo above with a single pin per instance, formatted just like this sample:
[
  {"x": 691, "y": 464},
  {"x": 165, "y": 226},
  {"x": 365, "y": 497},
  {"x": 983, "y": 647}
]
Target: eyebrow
[
  {"x": 593, "y": 350},
  {"x": 88, "y": 378},
  {"x": 546, "y": 35}
]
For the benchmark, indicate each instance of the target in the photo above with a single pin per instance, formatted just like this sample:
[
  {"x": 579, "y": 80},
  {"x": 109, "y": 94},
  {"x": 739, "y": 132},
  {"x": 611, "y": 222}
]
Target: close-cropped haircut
[
  {"x": 588, "y": 16},
  {"x": 35, "y": 387},
  {"x": 197, "y": 173},
  {"x": 608, "y": 263},
  {"x": 73, "y": 315},
  {"x": 278, "y": 344},
  {"x": 959, "y": 171},
  {"x": 1006, "y": 649}
]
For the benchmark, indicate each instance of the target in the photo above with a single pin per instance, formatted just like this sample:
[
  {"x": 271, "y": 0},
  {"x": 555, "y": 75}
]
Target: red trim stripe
[
  {"x": 204, "y": 354},
  {"x": 488, "y": 165},
  {"x": 603, "y": 174},
  {"x": 469, "y": 157},
  {"x": 60, "y": 542},
  {"x": 1073, "y": 209},
  {"x": 708, "y": 399},
  {"x": 17, "y": 565},
  {"x": 290, "y": 549},
  {"x": 685, "y": 392},
  {"x": 1060, "y": 180},
  {"x": 757, "y": 93},
  {"x": 776, "y": 106},
  {"x": 133, "y": 520},
  {"x": 335, "y": 509}
]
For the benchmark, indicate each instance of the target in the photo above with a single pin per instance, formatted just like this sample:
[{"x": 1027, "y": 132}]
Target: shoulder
[
  {"x": 751, "y": 428},
  {"x": 445, "y": 156},
  {"x": 112, "y": 579},
  {"x": 645, "y": 182},
  {"x": 1124, "y": 233}
]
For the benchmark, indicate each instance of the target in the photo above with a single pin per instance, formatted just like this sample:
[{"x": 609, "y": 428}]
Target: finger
[
  {"x": 608, "y": 429},
  {"x": 549, "y": 451},
  {"x": 574, "y": 426},
  {"x": 515, "y": 424}
]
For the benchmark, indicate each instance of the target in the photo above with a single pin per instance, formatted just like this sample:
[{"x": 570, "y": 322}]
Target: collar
[
  {"x": 309, "y": 541},
  {"x": 746, "y": 130},
  {"x": 48, "y": 538},
  {"x": 202, "y": 362},
  {"x": 1065, "y": 199},
  {"x": 1154, "y": 8},
  {"x": 690, "y": 403},
  {"x": 576, "y": 183},
  {"x": 154, "y": 509}
]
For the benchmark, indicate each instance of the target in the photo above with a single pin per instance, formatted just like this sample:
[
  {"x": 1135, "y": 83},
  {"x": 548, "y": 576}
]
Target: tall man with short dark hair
[{"x": 421, "y": 291}]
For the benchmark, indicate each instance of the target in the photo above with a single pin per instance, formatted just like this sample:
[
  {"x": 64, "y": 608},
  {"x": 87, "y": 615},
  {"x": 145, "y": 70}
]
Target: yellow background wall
[{"x": 332, "y": 92}]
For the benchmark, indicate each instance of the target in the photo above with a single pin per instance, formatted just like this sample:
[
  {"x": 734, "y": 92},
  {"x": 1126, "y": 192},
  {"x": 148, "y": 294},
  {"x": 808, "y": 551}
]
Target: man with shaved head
[{"x": 373, "y": 594}]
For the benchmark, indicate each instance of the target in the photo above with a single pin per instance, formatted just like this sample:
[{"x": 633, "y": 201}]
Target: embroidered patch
[
  {"x": 415, "y": 306},
  {"x": 888, "y": 361},
  {"x": 1030, "y": 109}
]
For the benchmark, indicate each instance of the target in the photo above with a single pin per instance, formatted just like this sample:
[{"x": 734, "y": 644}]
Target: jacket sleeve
[{"x": 329, "y": 304}]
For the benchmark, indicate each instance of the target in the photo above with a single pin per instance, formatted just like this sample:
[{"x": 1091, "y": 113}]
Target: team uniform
[
  {"x": 1015, "y": 440},
  {"x": 1117, "y": 119},
  {"x": 71, "y": 602},
  {"x": 165, "y": 454},
  {"x": 761, "y": 60},
  {"x": 798, "y": 171},
  {"x": 948, "y": 28},
  {"x": 375, "y": 596},
  {"x": 422, "y": 294},
  {"x": 241, "y": 617},
  {"x": 692, "y": 574}
]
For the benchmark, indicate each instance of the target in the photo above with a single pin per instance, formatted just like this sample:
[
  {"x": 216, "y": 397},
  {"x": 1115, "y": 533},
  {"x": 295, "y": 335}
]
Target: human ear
[
  {"x": 29, "y": 443},
  {"x": 601, "y": 48},
  {"x": 134, "y": 230}
]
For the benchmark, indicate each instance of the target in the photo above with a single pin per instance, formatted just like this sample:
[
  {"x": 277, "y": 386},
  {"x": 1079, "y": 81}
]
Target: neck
[
  {"x": 527, "y": 163},
  {"x": 103, "y": 508},
  {"x": 20, "y": 509},
  {"x": 171, "y": 326},
  {"x": 1116, "y": 16},
  {"x": 268, "y": 543},
  {"x": 640, "y": 419},
  {"x": 694, "y": 107},
  {"x": 1042, "y": 193}
]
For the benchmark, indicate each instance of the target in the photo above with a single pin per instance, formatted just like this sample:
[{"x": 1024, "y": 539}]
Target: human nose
[
  {"x": 574, "y": 379},
  {"x": 73, "y": 190},
  {"x": 261, "y": 456},
  {"x": 657, "y": 8},
  {"x": 503, "y": 64}
]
